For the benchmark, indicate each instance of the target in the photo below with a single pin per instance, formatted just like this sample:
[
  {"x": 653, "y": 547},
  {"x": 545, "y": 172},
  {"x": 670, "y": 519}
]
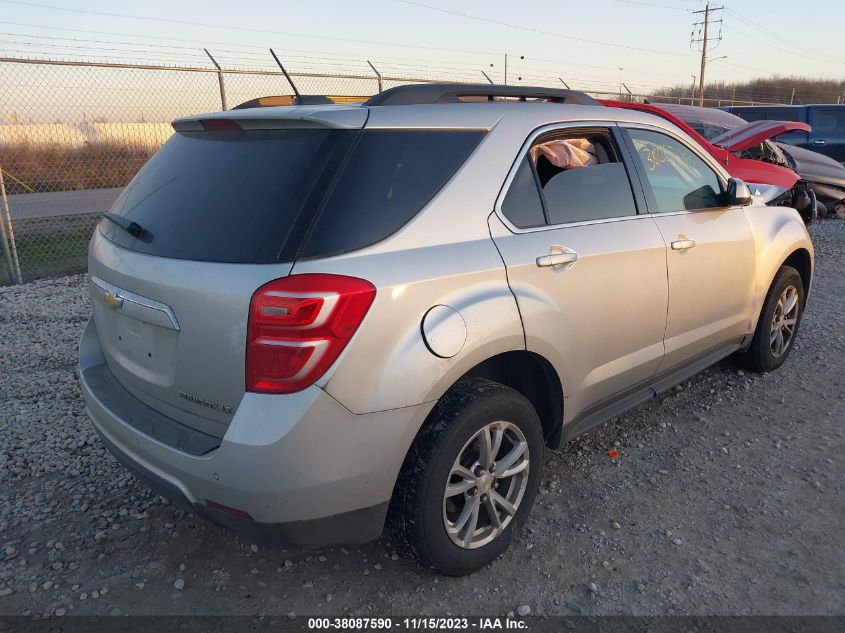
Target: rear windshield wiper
[{"x": 133, "y": 228}]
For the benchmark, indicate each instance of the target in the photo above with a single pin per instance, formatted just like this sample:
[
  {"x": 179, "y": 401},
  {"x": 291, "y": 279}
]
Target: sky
[{"x": 584, "y": 42}]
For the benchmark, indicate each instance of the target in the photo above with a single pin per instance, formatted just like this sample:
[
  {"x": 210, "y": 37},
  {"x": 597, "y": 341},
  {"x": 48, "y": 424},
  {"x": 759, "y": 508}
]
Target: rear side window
[
  {"x": 389, "y": 177},
  {"x": 596, "y": 192},
  {"x": 522, "y": 204},
  {"x": 580, "y": 178}
]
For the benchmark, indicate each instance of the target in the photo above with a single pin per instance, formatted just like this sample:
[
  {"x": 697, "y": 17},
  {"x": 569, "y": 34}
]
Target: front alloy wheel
[
  {"x": 784, "y": 322},
  {"x": 778, "y": 324}
]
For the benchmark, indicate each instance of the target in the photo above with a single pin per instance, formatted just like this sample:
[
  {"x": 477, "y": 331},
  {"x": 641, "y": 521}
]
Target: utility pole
[
  {"x": 701, "y": 35},
  {"x": 506, "y": 67}
]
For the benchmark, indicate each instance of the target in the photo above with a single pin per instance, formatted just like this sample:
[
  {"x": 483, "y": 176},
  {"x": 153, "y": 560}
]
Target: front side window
[
  {"x": 679, "y": 179},
  {"x": 579, "y": 177}
]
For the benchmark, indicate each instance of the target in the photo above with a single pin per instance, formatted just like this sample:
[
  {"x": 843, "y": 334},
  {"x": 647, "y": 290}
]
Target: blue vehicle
[{"x": 827, "y": 121}]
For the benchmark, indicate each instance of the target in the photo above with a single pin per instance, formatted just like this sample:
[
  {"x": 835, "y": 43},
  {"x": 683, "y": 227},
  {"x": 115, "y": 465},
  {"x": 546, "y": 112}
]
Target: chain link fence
[{"x": 72, "y": 135}]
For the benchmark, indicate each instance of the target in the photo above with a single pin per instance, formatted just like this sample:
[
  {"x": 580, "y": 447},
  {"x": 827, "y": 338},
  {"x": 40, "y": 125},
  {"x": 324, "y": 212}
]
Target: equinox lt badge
[{"x": 206, "y": 403}]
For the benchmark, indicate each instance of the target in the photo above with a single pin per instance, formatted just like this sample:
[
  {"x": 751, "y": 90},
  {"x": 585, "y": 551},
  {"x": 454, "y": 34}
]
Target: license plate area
[{"x": 139, "y": 336}]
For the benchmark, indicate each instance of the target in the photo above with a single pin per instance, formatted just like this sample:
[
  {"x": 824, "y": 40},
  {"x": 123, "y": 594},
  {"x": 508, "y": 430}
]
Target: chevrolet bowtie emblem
[{"x": 115, "y": 302}]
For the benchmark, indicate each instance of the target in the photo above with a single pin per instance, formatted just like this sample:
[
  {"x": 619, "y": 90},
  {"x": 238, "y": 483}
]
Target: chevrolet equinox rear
[{"x": 313, "y": 321}]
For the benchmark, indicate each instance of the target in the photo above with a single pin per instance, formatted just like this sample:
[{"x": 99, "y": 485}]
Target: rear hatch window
[
  {"x": 264, "y": 196},
  {"x": 223, "y": 196}
]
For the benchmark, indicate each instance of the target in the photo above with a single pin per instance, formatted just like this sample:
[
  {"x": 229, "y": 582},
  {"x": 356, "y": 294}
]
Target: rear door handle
[
  {"x": 819, "y": 141},
  {"x": 682, "y": 245},
  {"x": 557, "y": 259}
]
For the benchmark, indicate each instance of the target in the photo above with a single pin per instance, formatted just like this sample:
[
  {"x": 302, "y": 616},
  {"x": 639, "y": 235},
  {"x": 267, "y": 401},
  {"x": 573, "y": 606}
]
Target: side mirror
[{"x": 738, "y": 194}]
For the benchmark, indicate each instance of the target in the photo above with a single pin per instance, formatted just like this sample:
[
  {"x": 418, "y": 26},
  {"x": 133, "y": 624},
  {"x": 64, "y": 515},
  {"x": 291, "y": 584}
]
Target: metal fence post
[
  {"x": 378, "y": 74},
  {"x": 10, "y": 250},
  {"x": 219, "y": 79},
  {"x": 7, "y": 254}
]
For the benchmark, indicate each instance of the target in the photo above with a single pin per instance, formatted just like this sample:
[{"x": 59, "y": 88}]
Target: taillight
[
  {"x": 220, "y": 125},
  {"x": 298, "y": 326}
]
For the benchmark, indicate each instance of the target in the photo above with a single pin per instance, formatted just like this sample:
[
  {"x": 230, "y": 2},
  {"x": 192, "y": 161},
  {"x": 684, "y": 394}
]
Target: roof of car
[
  {"x": 477, "y": 115},
  {"x": 440, "y": 106},
  {"x": 693, "y": 115}
]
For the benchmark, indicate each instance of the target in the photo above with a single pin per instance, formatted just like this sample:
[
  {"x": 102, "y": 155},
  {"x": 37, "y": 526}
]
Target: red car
[{"x": 737, "y": 150}]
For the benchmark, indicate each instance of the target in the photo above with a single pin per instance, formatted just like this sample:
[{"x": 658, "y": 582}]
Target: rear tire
[
  {"x": 453, "y": 508},
  {"x": 778, "y": 325}
]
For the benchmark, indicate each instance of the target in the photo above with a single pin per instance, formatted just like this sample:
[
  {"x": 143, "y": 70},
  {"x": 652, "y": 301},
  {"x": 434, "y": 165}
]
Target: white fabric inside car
[{"x": 566, "y": 153}]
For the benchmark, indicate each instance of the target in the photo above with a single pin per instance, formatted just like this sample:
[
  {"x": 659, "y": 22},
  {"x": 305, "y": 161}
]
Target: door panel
[
  {"x": 598, "y": 319},
  {"x": 710, "y": 260},
  {"x": 710, "y": 255},
  {"x": 828, "y": 135}
]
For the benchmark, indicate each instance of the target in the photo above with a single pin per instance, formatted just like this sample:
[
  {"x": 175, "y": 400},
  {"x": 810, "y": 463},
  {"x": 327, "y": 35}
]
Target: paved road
[{"x": 57, "y": 203}]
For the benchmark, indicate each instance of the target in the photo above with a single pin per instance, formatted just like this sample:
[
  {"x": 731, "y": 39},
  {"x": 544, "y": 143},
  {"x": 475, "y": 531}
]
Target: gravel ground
[{"x": 727, "y": 498}]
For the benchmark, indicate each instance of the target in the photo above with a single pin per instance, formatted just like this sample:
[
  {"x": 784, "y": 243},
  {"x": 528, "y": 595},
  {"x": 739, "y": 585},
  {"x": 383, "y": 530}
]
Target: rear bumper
[
  {"x": 349, "y": 527},
  {"x": 297, "y": 469}
]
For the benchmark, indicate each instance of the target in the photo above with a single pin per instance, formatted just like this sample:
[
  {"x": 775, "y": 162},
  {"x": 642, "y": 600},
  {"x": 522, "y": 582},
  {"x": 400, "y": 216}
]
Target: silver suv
[{"x": 312, "y": 321}]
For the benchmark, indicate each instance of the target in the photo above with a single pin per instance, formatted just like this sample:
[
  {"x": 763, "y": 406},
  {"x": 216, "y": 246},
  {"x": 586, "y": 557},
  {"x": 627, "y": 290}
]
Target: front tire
[
  {"x": 778, "y": 325},
  {"x": 470, "y": 478}
]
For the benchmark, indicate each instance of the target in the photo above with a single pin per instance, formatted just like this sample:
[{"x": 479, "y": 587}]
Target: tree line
[{"x": 775, "y": 89}]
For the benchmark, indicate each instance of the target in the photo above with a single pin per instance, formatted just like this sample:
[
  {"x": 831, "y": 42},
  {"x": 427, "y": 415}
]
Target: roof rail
[
  {"x": 414, "y": 94},
  {"x": 283, "y": 100}
]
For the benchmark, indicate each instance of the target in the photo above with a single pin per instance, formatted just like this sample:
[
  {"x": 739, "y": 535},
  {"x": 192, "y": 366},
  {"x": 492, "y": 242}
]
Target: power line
[
  {"x": 262, "y": 56},
  {"x": 781, "y": 49},
  {"x": 202, "y": 43},
  {"x": 650, "y": 4},
  {"x": 241, "y": 28},
  {"x": 531, "y": 29},
  {"x": 765, "y": 32}
]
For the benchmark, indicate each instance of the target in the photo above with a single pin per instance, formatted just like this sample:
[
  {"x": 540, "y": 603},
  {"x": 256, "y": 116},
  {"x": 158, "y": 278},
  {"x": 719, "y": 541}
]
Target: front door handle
[
  {"x": 557, "y": 259},
  {"x": 819, "y": 141},
  {"x": 682, "y": 245}
]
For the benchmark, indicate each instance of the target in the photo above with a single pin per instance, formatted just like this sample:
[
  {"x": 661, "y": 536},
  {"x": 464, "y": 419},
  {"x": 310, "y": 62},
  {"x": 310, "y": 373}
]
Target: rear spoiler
[{"x": 305, "y": 117}]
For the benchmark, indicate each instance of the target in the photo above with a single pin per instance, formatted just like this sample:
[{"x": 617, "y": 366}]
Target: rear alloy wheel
[
  {"x": 778, "y": 324},
  {"x": 486, "y": 485},
  {"x": 470, "y": 478}
]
